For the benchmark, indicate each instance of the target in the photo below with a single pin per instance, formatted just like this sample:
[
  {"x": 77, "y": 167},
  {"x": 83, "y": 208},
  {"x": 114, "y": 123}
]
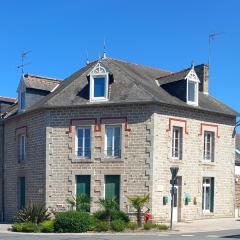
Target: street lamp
[{"x": 174, "y": 171}]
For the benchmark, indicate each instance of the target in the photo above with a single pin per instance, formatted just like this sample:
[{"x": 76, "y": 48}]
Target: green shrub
[
  {"x": 118, "y": 225},
  {"x": 17, "y": 227},
  {"x": 72, "y": 221},
  {"x": 101, "y": 226},
  {"x": 132, "y": 225},
  {"x": 116, "y": 215},
  {"x": 33, "y": 213},
  {"x": 25, "y": 227},
  {"x": 162, "y": 227},
  {"x": 47, "y": 226},
  {"x": 148, "y": 226}
]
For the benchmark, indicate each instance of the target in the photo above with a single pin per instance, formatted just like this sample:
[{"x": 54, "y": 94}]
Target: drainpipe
[{"x": 3, "y": 190}]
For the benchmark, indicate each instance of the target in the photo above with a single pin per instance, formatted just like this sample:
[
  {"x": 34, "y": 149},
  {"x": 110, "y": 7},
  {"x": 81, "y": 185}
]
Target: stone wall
[
  {"x": 63, "y": 165},
  {"x": 33, "y": 168},
  {"x": 192, "y": 169}
]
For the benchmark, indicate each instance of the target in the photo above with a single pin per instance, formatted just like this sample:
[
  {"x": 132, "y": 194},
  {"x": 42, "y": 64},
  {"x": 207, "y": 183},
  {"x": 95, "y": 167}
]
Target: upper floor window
[
  {"x": 83, "y": 142},
  {"x": 113, "y": 141},
  {"x": 21, "y": 147},
  {"x": 208, "y": 146},
  {"x": 177, "y": 143},
  {"x": 22, "y": 101},
  {"x": 192, "y": 87},
  {"x": 99, "y": 81}
]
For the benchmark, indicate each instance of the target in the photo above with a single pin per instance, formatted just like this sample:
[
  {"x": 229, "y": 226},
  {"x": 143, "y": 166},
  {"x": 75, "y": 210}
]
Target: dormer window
[
  {"x": 22, "y": 101},
  {"x": 192, "y": 92},
  {"x": 192, "y": 88},
  {"x": 99, "y": 84}
]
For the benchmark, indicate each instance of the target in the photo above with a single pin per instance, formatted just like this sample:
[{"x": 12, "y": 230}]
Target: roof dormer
[
  {"x": 192, "y": 87},
  {"x": 99, "y": 83}
]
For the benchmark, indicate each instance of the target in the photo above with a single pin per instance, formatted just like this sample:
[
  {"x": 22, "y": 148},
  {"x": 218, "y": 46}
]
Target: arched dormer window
[
  {"x": 192, "y": 87},
  {"x": 99, "y": 82}
]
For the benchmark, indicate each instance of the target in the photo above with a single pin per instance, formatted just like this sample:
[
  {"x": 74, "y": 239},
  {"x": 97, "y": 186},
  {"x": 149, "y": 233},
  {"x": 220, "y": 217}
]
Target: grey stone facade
[{"x": 146, "y": 122}]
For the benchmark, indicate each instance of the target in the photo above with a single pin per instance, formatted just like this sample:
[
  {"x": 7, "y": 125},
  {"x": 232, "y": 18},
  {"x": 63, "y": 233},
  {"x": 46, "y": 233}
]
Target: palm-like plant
[
  {"x": 138, "y": 203},
  {"x": 34, "y": 213},
  {"x": 108, "y": 205},
  {"x": 82, "y": 203}
]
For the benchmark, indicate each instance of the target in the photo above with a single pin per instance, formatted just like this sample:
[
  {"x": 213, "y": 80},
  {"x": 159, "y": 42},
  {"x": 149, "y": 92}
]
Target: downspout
[{"x": 3, "y": 191}]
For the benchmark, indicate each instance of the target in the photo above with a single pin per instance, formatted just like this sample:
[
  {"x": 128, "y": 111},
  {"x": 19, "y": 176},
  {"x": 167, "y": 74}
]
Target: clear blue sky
[{"x": 167, "y": 34}]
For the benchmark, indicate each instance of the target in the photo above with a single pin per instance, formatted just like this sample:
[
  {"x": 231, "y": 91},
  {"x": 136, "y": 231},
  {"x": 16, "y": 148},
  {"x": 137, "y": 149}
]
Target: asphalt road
[{"x": 233, "y": 234}]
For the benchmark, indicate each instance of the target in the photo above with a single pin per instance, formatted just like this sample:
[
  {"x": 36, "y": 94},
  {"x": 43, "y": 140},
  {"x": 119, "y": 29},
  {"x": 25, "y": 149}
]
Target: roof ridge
[
  {"x": 173, "y": 73},
  {"x": 8, "y": 98},
  {"x": 138, "y": 64},
  {"x": 43, "y": 77}
]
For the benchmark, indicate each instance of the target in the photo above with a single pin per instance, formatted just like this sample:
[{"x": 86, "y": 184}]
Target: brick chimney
[{"x": 202, "y": 71}]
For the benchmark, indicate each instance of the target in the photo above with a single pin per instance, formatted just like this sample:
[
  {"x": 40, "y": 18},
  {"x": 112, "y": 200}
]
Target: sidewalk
[{"x": 207, "y": 225}]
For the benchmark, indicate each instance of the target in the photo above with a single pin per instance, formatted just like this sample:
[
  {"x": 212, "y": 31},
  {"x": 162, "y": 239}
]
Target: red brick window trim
[
  {"x": 78, "y": 121},
  {"x": 209, "y": 125},
  {"x": 21, "y": 130},
  {"x": 125, "y": 119},
  {"x": 176, "y": 120}
]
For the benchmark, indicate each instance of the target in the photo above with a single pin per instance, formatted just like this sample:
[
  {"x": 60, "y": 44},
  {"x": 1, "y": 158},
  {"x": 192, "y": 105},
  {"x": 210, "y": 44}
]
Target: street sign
[
  {"x": 173, "y": 182},
  {"x": 174, "y": 171}
]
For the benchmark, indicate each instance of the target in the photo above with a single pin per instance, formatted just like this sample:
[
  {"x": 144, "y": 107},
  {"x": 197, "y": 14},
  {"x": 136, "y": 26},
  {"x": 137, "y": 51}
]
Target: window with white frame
[
  {"x": 21, "y": 147},
  {"x": 113, "y": 141},
  {"x": 83, "y": 142},
  {"x": 99, "y": 81},
  {"x": 208, "y": 194},
  {"x": 192, "y": 87},
  {"x": 192, "y": 96},
  {"x": 209, "y": 143},
  {"x": 22, "y": 101},
  {"x": 177, "y": 143}
]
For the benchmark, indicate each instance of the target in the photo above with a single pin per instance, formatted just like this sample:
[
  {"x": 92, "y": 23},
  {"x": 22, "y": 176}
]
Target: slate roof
[
  {"x": 7, "y": 99},
  {"x": 133, "y": 83},
  {"x": 40, "y": 82},
  {"x": 173, "y": 77}
]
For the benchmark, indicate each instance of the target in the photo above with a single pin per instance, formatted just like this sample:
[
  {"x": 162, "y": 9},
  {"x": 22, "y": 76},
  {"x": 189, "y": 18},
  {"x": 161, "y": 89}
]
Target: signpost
[{"x": 173, "y": 181}]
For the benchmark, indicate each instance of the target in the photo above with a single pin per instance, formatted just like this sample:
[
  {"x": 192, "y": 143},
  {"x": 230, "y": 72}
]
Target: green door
[
  {"x": 112, "y": 187},
  {"x": 22, "y": 192},
  {"x": 83, "y": 185}
]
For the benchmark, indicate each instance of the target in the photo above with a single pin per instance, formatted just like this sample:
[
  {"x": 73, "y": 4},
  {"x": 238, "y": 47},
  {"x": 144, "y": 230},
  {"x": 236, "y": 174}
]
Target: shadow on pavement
[{"x": 232, "y": 236}]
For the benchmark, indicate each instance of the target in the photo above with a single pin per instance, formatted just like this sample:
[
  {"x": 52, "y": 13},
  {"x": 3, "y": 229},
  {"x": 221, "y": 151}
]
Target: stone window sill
[
  {"x": 207, "y": 163},
  {"x": 112, "y": 160}
]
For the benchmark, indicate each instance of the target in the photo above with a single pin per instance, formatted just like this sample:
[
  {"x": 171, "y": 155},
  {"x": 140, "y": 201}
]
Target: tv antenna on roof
[
  {"x": 211, "y": 38},
  {"x": 23, "y": 56},
  {"x": 104, "y": 48}
]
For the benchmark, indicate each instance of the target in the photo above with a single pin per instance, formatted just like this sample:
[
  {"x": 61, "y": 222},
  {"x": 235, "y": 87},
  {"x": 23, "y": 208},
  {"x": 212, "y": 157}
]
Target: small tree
[
  {"x": 34, "y": 213},
  {"x": 138, "y": 203},
  {"x": 108, "y": 206},
  {"x": 82, "y": 203}
]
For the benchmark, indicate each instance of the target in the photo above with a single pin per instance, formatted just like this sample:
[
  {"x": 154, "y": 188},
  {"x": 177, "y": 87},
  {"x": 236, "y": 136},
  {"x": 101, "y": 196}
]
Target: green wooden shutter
[
  {"x": 212, "y": 195},
  {"x": 22, "y": 192},
  {"x": 112, "y": 187},
  {"x": 83, "y": 185}
]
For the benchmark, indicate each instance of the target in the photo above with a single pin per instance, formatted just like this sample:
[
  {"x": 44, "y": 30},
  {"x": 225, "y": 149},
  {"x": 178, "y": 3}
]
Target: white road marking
[
  {"x": 213, "y": 236},
  {"x": 187, "y": 235}
]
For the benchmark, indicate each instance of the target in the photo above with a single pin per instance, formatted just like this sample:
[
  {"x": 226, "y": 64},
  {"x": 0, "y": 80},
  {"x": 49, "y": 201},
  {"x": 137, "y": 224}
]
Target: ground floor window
[
  {"x": 83, "y": 185},
  {"x": 21, "y": 190},
  {"x": 112, "y": 187},
  {"x": 208, "y": 194}
]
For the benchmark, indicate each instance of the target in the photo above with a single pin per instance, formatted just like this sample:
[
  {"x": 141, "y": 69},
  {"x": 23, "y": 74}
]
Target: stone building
[
  {"x": 237, "y": 176},
  {"x": 114, "y": 129}
]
